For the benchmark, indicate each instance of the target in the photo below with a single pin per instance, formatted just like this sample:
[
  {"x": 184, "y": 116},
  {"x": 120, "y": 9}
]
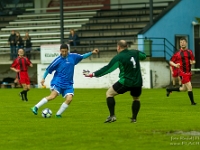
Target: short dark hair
[
  {"x": 64, "y": 46},
  {"x": 183, "y": 39},
  {"x": 122, "y": 44}
]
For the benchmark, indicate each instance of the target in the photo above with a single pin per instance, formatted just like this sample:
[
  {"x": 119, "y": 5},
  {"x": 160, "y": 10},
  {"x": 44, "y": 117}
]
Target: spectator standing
[
  {"x": 19, "y": 41},
  {"x": 27, "y": 45},
  {"x": 12, "y": 43}
]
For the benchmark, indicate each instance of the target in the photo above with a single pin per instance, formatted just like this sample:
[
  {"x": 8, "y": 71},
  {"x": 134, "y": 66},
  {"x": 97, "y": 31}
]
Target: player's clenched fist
[{"x": 95, "y": 51}]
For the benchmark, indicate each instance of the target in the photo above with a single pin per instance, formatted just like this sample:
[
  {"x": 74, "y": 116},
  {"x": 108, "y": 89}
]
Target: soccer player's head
[
  {"x": 121, "y": 45},
  {"x": 183, "y": 43},
  {"x": 21, "y": 52},
  {"x": 64, "y": 50}
]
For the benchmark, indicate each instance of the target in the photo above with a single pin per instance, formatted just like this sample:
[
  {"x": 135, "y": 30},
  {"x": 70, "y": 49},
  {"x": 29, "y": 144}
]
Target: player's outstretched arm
[{"x": 86, "y": 55}]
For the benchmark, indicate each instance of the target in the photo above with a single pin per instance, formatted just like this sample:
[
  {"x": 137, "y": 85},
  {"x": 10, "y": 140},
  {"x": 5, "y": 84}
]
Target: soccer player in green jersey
[{"x": 128, "y": 62}]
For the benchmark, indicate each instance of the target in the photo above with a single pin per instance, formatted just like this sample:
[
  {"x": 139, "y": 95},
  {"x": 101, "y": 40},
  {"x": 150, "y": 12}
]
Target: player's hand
[
  {"x": 42, "y": 82},
  {"x": 192, "y": 62},
  {"x": 87, "y": 73},
  {"x": 90, "y": 75},
  {"x": 17, "y": 70},
  {"x": 177, "y": 65},
  {"x": 95, "y": 51}
]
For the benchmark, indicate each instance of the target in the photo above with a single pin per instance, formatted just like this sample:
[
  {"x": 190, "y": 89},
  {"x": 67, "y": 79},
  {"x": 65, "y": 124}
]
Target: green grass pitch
[{"x": 82, "y": 128}]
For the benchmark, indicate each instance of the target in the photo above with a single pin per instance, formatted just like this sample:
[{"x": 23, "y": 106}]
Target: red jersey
[
  {"x": 183, "y": 57},
  {"x": 21, "y": 63}
]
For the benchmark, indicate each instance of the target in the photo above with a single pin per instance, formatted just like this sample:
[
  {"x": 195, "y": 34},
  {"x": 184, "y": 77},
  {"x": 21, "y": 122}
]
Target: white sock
[
  {"x": 62, "y": 108},
  {"x": 42, "y": 102}
]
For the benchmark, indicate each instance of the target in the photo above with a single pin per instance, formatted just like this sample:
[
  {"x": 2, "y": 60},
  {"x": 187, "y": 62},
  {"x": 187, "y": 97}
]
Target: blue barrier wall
[{"x": 178, "y": 21}]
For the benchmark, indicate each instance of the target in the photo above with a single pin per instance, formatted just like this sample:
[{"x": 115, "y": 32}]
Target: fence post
[{"x": 164, "y": 49}]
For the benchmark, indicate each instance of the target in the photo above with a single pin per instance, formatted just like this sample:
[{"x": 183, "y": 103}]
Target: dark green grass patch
[{"x": 82, "y": 127}]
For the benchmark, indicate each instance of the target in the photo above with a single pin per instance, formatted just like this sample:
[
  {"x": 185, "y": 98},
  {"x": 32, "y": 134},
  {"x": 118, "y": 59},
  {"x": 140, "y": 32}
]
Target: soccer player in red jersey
[
  {"x": 183, "y": 59},
  {"x": 20, "y": 66}
]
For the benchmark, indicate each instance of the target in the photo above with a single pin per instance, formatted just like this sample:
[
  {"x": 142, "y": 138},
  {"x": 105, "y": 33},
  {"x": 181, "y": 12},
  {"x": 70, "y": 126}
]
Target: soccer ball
[{"x": 46, "y": 113}]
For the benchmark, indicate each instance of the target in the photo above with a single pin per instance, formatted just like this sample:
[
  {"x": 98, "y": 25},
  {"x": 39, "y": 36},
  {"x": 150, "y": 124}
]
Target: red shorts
[
  {"x": 185, "y": 77},
  {"x": 175, "y": 73},
  {"x": 23, "y": 78}
]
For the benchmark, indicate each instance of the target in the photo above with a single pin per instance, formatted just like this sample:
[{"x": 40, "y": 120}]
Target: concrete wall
[{"x": 160, "y": 75}]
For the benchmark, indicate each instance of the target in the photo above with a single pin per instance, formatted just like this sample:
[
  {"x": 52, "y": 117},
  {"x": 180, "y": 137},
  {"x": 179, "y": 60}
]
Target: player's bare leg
[
  {"x": 173, "y": 81},
  {"x": 179, "y": 81}
]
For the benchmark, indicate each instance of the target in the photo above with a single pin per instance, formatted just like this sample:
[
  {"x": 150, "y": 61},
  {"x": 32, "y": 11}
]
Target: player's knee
[
  {"x": 25, "y": 89},
  {"x": 51, "y": 97},
  {"x": 136, "y": 98},
  {"x": 183, "y": 89},
  {"x": 110, "y": 92},
  {"x": 68, "y": 101}
]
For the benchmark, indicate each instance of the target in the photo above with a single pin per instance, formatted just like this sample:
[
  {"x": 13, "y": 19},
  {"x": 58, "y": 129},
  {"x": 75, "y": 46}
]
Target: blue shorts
[{"x": 67, "y": 91}]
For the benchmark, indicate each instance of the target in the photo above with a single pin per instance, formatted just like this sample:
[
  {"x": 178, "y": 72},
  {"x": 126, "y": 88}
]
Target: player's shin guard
[
  {"x": 111, "y": 105},
  {"x": 135, "y": 108}
]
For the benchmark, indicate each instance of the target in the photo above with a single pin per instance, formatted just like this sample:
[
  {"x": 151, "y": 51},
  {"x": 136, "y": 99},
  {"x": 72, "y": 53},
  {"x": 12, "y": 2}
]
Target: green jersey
[{"x": 128, "y": 62}]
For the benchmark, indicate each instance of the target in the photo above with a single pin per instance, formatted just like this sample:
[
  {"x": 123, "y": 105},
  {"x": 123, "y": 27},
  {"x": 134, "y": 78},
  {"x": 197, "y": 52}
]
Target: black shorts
[{"x": 121, "y": 89}]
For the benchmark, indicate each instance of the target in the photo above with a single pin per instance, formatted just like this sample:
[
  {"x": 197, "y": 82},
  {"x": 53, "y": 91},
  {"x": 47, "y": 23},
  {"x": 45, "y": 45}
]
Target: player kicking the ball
[
  {"x": 130, "y": 78},
  {"x": 62, "y": 82}
]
